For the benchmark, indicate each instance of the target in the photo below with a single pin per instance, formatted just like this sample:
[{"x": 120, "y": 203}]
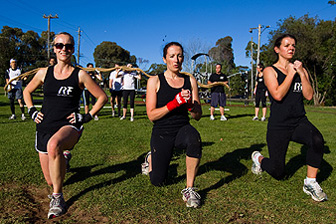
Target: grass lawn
[{"x": 105, "y": 184}]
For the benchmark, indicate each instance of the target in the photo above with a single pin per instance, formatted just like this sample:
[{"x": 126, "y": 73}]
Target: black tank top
[
  {"x": 261, "y": 85},
  {"x": 177, "y": 117},
  {"x": 287, "y": 112},
  {"x": 61, "y": 98}
]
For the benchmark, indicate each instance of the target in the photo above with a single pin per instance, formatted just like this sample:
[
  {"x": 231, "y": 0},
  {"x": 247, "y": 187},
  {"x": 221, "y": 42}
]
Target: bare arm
[
  {"x": 37, "y": 81},
  {"x": 278, "y": 91},
  {"x": 94, "y": 89},
  {"x": 307, "y": 90},
  {"x": 196, "y": 113},
  {"x": 154, "y": 113}
]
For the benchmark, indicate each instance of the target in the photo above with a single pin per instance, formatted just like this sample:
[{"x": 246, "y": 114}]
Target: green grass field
[{"x": 105, "y": 184}]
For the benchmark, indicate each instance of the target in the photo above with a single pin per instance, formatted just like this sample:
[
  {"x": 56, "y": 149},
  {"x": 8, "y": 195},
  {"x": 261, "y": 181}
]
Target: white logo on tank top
[
  {"x": 297, "y": 87},
  {"x": 65, "y": 91}
]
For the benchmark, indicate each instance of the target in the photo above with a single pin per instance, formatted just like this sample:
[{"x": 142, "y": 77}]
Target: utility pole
[
  {"x": 259, "y": 37},
  {"x": 251, "y": 67},
  {"x": 49, "y": 17},
  {"x": 78, "y": 48}
]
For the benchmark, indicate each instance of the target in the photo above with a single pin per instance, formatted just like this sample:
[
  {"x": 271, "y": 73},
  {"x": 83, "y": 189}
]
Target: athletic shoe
[
  {"x": 256, "y": 166},
  {"x": 212, "y": 118},
  {"x": 191, "y": 197},
  {"x": 122, "y": 118},
  {"x": 67, "y": 156},
  {"x": 57, "y": 206},
  {"x": 315, "y": 191},
  {"x": 263, "y": 119},
  {"x": 223, "y": 118},
  {"x": 113, "y": 114},
  {"x": 12, "y": 117},
  {"x": 131, "y": 119},
  {"x": 96, "y": 118},
  {"x": 145, "y": 165},
  {"x": 23, "y": 117},
  {"x": 255, "y": 118}
]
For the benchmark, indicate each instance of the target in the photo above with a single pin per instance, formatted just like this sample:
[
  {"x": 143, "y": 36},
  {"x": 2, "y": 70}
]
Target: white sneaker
[
  {"x": 12, "y": 117},
  {"x": 223, "y": 118},
  {"x": 191, "y": 197},
  {"x": 113, "y": 114},
  {"x": 255, "y": 118},
  {"x": 212, "y": 118},
  {"x": 23, "y": 117},
  {"x": 131, "y": 119},
  {"x": 145, "y": 165},
  {"x": 122, "y": 118},
  {"x": 263, "y": 119},
  {"x": 315, "y": 191},
  {"x": 57, "y": 206},
  {"x": 256, "y": 166}
]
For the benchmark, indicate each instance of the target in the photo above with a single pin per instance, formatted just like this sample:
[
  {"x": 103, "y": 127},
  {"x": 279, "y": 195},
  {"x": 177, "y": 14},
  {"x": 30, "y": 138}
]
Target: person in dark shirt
[
  {"x": 288, "y": 83},
  {"x": 260, "y": 92},
  {"x": 59, "y": 124},
  {"x": 170, "y": 97},
  {"x": 218, "y": 96}
]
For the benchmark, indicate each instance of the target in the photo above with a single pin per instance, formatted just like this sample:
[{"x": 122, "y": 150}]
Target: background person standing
[
  {"x": 217, "y": 92},
  {"x": 15, "y": 89}
]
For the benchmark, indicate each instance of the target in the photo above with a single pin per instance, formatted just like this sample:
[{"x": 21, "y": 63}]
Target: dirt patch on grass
[{"x": 28, "y": 204}]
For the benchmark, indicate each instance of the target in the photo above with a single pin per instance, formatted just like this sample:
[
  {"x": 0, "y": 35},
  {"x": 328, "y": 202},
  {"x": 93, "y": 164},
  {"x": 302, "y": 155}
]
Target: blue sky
[{"x": 143, "y": 27}]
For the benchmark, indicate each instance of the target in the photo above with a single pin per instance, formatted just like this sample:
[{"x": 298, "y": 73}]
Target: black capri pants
[
  {"x": 260, "y": 95},
  {"x": 162, "y": 145},
  {"x": 131, "y": 94},
  {"x": 278, "y": 139}
]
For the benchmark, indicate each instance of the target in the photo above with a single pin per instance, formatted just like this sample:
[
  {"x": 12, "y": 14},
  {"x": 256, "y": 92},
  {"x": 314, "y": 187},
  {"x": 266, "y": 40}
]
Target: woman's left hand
[{"x": 298, "y": 67}]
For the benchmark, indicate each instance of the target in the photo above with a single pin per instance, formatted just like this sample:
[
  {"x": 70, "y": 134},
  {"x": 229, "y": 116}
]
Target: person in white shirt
[
  {"x": 129, "y": 90},
  {"x": 15, "y": 89},
  {"x": 115, "y": 85}
]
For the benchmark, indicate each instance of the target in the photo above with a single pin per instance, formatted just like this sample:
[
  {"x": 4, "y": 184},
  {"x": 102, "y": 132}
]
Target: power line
[{"x": 15, "y": 23}]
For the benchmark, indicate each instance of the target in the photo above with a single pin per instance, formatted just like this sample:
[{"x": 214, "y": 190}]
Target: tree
[
  {"x": 193, "y": 47},
  {"x": 108, "y": 53},
  {"x": 316, "y": 48},
  {"x": 27, "y": 48},
  {"x": 223, "y": 53},
  {"x": 156, "y": 69}
]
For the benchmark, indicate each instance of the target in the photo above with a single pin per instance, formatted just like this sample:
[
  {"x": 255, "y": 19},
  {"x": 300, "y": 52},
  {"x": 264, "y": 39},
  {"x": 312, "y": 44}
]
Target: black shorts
[
  {"x": 42, "y": 139},
  {"x": 218, "y": 98}
]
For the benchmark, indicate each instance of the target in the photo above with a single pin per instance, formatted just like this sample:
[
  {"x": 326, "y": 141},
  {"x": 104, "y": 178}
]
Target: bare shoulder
[
  {"x": 41, "y": 73},
  {"x": 269, "y": 71}
]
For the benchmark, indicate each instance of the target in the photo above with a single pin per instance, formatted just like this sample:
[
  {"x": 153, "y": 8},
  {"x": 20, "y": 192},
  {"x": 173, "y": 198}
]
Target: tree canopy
[{"x": 108, "y": 53}]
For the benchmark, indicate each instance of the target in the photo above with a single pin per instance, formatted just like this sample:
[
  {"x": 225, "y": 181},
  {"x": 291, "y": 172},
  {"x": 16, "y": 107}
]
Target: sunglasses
[{"x": 60, "y": 46}]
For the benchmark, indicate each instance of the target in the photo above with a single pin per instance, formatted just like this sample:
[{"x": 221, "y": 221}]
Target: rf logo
[
  {"x": 65, "y": 91},
  {"x": 297, "y": 87}
]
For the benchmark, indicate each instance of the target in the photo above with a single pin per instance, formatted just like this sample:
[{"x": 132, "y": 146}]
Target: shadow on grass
[
  {"x": 230, "y": 163},
  {"x": 299, "y": 161},
  {"x": 131, "y": 168}
]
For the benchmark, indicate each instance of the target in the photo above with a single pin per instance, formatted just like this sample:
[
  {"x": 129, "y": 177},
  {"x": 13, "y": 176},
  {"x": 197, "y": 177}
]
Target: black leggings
[
  {"x": 260, "y": 95},
  {"x": 127, "y": 93},
  {"x": 277, "y": 140},
  {"x": 162, "y": 145}
]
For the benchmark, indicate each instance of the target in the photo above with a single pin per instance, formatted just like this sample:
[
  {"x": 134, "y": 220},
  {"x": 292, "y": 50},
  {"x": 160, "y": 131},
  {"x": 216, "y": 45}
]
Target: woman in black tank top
[
  {"x": 59, "y": 124},
  {"x": 169, "y": 98},
  {"x": 288, "y": 83},
  {"x": 260, "y": 94}
]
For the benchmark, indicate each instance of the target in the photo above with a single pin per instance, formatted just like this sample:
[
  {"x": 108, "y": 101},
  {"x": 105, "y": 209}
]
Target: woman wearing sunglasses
[{"x": 59, "y": 123}]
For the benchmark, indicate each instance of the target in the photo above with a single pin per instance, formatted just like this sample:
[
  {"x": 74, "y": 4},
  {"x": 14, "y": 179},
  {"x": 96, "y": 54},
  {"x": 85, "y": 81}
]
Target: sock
[
  {"x": 309, "y": 180},
  {"x": 57, "y": 195},
  {"x": 22, "y": 110}
]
